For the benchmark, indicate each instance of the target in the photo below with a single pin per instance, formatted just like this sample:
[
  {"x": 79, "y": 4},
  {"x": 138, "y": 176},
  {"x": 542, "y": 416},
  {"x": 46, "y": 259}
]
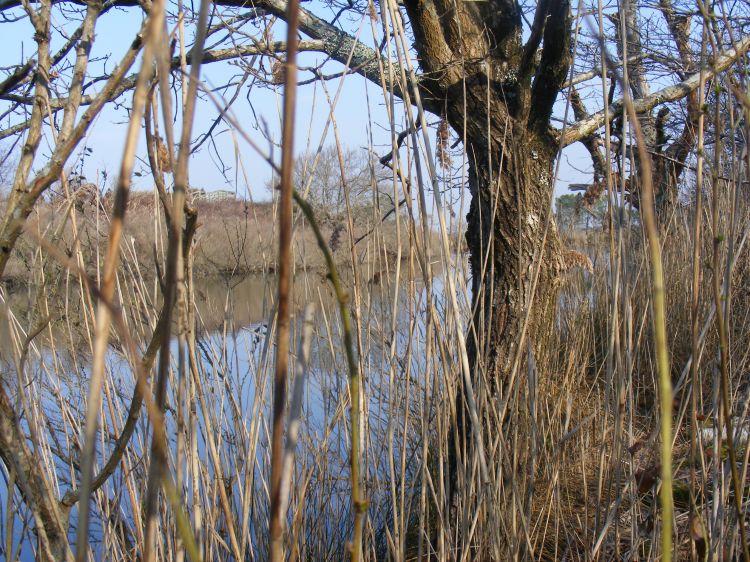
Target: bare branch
[
  {"x": 535, "y": 38},
  {"x": 338, "y": 45},
  {"x": 17, "y": 76},
  {"x": 217, "y": 55},
  {"x": 17, "y": 128},
  {"x": 592, "y": 142},
  {"x": 553, "y": 68},
  {"x": 671, "y": 93},
  {"x": 679, "y": 27},
  {"x": 595, "y": 72}
]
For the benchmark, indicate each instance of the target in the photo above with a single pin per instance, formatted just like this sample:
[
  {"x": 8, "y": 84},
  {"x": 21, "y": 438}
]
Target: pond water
[{"x": 234, "y": 362}]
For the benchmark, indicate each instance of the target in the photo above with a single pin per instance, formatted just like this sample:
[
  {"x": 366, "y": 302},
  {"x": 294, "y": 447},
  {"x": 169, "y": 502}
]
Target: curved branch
[
  {"x": 675, "y": 92},
  {"x": 17, "y": 76}
]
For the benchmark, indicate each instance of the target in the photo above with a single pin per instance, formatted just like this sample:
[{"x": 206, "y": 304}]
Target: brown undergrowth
[
  {"x": 235, "y": 237},
  {"x": 599, "y": 495}
]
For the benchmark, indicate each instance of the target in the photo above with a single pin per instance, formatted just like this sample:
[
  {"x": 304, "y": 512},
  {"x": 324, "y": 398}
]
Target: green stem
[{"x": 358, "y": 502}]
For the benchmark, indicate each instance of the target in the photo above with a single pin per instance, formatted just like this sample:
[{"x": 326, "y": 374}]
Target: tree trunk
[
  {"x": 511, "y": 237},
  {"x": 498, "y": 94},
  {"x": 509, "y": 231}
]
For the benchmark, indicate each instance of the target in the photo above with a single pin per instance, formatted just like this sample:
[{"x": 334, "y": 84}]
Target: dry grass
[
  {"x": 581, "y": 460},
  {"x": 235, "y": 238}
]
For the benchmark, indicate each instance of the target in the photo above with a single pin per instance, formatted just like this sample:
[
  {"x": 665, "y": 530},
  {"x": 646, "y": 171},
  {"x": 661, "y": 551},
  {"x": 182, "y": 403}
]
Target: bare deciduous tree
[{"x": 317, "y": 176}]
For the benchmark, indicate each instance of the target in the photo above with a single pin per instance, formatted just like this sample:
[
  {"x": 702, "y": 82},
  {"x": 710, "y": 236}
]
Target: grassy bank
[{"x": 234, "y": 238}]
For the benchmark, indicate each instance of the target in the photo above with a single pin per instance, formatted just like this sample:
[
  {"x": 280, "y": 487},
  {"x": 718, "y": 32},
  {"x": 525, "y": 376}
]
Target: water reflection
[{"x": 231, "y": 386}]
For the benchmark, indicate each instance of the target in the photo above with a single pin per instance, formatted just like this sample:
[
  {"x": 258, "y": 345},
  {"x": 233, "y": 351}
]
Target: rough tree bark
[{"x": 498, "y": 95}]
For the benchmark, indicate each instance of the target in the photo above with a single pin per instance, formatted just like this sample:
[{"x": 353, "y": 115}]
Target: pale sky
[{"x": 116, "y": 29}]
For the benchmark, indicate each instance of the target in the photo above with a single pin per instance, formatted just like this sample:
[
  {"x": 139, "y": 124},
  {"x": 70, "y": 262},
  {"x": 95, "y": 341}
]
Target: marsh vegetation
[{"x": 400, "y": 343}]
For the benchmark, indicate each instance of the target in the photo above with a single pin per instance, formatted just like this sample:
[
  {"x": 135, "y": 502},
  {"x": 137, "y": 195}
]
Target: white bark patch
[{"x": 532, "y": 219}]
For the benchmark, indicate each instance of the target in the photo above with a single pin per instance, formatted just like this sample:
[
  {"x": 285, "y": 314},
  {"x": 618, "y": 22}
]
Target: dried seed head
[
  {"x": 593, "y": 193},
  {"x": 162, "y": 153},
  {"x": 572, "y": 259},
  {"x": 278, "y": 72},
  {"x": 442, "y": 149}
]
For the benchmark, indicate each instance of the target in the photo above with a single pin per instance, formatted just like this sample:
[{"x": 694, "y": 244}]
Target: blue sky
[{"x": 360, "y": 114}]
